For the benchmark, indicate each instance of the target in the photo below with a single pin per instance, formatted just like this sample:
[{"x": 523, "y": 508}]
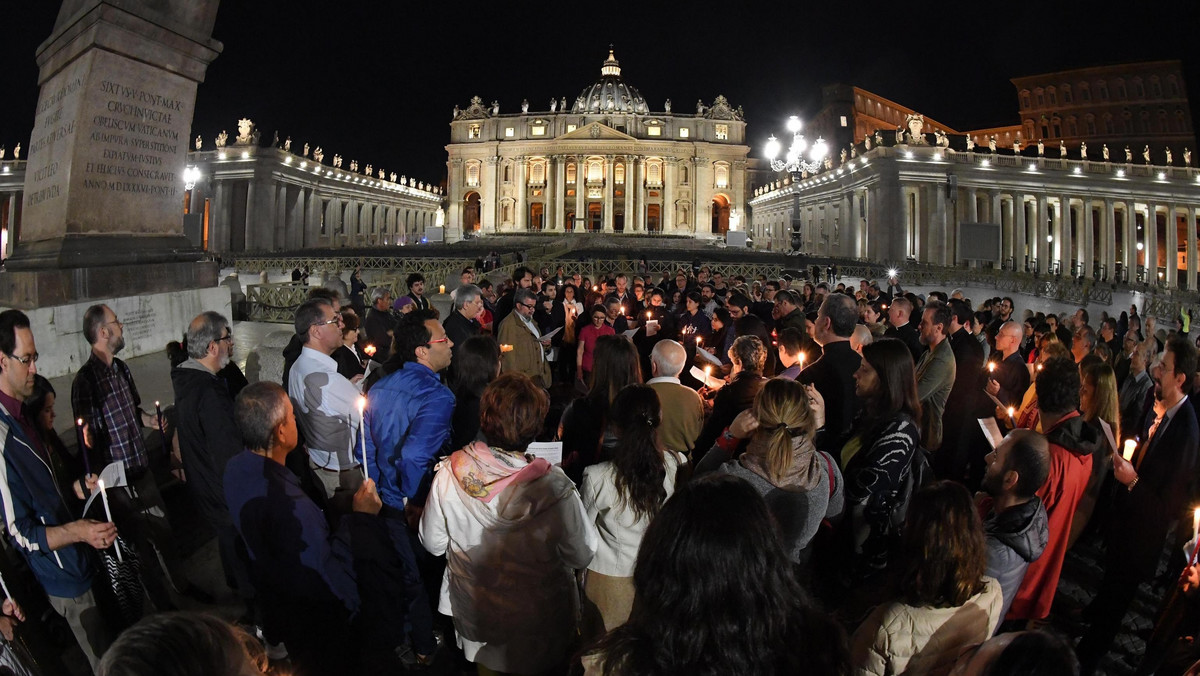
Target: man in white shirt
[{"x": 325, "y": 402}]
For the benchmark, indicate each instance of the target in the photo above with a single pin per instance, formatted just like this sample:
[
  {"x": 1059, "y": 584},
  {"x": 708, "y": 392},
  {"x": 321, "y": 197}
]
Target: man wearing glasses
[
  {"x": 38, "y": 520},
  {"x": 528, "y": 353},
  {"x": 208, "y": 435},
  {"x": 326, "y": 403}
]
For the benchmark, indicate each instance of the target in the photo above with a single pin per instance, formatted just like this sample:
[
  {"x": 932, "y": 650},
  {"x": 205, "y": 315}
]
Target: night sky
[{"x": 375, "y": 80}]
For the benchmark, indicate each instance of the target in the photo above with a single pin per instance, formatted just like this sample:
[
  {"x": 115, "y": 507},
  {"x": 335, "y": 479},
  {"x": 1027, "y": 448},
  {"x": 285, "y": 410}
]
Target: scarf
[
  {"x": 484, "y": 472},
  {"x": 801, "y": 476}
]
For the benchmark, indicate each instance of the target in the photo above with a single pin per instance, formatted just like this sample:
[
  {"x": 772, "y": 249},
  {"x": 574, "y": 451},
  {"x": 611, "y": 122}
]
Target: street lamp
[
  {"x": 190, "y": 176},
  {"x": 800, "y": 159},
  {"x": 797, "y": 159}
]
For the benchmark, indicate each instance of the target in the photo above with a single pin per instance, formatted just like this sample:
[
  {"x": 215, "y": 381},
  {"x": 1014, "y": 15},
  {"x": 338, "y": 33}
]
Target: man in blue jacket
[
  {"x": 407, "y": 422},
  {"x": 38, "y": 520}
]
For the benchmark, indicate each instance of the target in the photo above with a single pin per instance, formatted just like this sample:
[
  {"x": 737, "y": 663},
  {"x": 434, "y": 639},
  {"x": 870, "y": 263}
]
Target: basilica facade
[{"x": 604, "y": 162}]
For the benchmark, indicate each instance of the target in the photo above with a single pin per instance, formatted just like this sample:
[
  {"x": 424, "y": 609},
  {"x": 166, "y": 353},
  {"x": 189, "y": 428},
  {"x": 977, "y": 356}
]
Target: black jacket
[
  {"x": 459, "y": 329},
  {"x": 1013, "y": 376},
  {"x": 731, "y": 400},
  {"x": 833, "y": 376},
  {"x": 908, "y": 335},
  {"x": 208, "y": 435},
  {"x": 376, "y": 325}
]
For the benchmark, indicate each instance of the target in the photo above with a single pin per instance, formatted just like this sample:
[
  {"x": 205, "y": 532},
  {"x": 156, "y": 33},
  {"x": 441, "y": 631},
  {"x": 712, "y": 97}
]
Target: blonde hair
[
  {"x": 782, "y": 411},
  {"x": 1104, "y": 404}
]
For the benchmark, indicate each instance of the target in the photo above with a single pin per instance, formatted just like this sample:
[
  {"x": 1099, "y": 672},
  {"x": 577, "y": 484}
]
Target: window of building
[
  {"x": 1045, "y": 129},
  {"x": 1040, "y": 97},
  {"x": 537, "y": 173},
  {"x": 537, "y": 130},
  {"x": 1139, "y": 90},
  {"x": 507, "y": 173},
  {"x": 595, "y": 171},
  {"x": 1052, "y": 96},
  {"x": 1089, "y": 124},
  {"x": 654, "y": 172},
  {"x": 473, "y": 174},
  {"x": 1155, "y": 87},
  {"x": 619, "y": 174},
  {"x": 683, "y": 174},
  {"x": 654, "y": 131},
  {"x": 1102, "y": 90},
  {"x": 1119, "y": 89},
  {"x": 1056, "y": 127},
  {"x": 1066, "y": 93},
  {"x": 1025, "y": 100},
  {"x": 1085, "y": 92},
  {"x": 1162, "y": 121},
  {"x": 474, "y": 131},
  {"x": 844, "y": 122},
  {"x": 509, "y": 132},
  {"x": 684, "y": 132},
  {"x": 571, "y": 128},
  {"x": 1172, "y": 86},
  {"x": 721, "y": 131},
  {"x": 721, "y": 175},
  {"x": 571, "y": 172}
]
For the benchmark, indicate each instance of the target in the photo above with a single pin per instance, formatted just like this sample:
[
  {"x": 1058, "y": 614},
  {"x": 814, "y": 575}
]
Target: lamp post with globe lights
[
  {"x": 191, "y": 175},
  {"x": 801, "y": 159}
]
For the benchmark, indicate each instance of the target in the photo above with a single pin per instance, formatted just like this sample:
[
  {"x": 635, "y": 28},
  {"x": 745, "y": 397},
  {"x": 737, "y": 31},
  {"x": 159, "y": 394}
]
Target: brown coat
[{"x": 527, "y": 354}]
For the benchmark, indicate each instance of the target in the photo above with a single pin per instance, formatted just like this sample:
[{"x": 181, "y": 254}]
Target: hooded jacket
[
  {"x": 1015, "y": 538},
  {"x": 208, "y": 435},
  {"x": 1073, "y": 441},
  {"x": 512, "y": 532}
]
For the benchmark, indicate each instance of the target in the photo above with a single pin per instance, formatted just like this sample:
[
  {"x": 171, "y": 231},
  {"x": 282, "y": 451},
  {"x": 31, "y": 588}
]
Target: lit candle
[
  {"x": 441, "y": 288},
  {"x": 802, "y": 361},
  {"x": 1011, "y": 412},
  {"x": 595, "y": 288},
  {"x": 1130, "y": 447},
  {"x": 8, "y": 594},
  {"x": 649, "y": 315},
  {"x": 506, "y": 348},
  {"x": 1195, "y": 526},
  {"x": 362, "y": 430},
  {"x": 1039, "y": 367},
  {"x": 162, "y": 433},
  {"x": 707, "y": 375},
  {"x": 622, "y": 309},
  {"x": 699, "y": 341},
  {"x": 83, "y": 449},
  {"x": 369, "y": 350},
  {"x": 107, "y": 512}
]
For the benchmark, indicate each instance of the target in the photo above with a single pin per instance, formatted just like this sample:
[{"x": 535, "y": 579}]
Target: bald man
[
  {"x": 682, "y": 409},
  {"x": 1011, "y": 377}
]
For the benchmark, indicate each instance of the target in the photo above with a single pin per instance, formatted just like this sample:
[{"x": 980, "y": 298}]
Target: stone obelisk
[{"x": 102, "y": 214}]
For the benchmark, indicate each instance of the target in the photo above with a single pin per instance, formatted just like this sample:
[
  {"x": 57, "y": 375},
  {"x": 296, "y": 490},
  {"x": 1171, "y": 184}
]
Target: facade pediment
[{"x": 595, "y": 132}]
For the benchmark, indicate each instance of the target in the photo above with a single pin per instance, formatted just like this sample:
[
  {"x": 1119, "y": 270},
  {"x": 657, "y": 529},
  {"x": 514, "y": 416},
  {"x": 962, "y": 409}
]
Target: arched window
[
  {"x": 507, "y": 172},
  {"x": 473, "y": 173},
  {"x": 1119, "y": 88},
  {"x": 1162, "y": 121},
  {"x": 619, "y": 174},
  {"x": 571, "y": 172},
  {"x": 1039, "y": 95},
  {"x": 654, "y": 172},
  {"x": 537, "y": 172},
  {"x": 1102, "y": 90},
  {"x": 1085, "y": 92},
  {"x": 1066, "y": 93},
  {"x": 595, "y": 170},
  {"x": 1139, "y": 91},
  {"x": 1025, "y": 100},
  {"x": 1052, "y": 96},
  {"x": 1155, "y": 87},
  {"x": 1056, "y": 127},
  {"x": 721, "y": 174},
  {"x": 683, "y": 174}
]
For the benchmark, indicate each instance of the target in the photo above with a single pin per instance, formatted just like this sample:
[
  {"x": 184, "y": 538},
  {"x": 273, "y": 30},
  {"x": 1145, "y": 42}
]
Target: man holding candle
[
  {"x": 1010, "y": 378},
  {"x": 1154, "y": 490},
  {"x": 38, "y": 521},
  {"x": 528, "y": 355},
  {"x": 461, "y": 322},
  {"x": 379, "y": 322}
]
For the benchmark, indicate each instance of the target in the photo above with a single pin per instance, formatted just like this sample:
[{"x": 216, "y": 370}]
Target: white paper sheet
[
  {"x": 710, "y": 382},
  {"x": 710, "y": 358},
  {"x": 551, "y": 451},
  {"x": 992, "y": 431},
  {"x": 551, "y": 334},
  {"x": 1112, "y": 441}
]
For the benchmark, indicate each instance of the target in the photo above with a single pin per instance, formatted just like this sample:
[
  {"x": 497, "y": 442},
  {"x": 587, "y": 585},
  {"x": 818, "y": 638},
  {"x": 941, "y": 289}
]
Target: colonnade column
[
  {"x": 520, "y": 218},
  {"x": 666, "y": 220},
  {"x": 1020, "y": 227},
  {"x": 627, "y": 187},
  {"x": 972, "y": 206},
  {"x": 550, "y": 193},
  {"x": 1151, "y": 250},
  {"x": 1086, "y": 223},
  {"x": 608, "y": 193},
  {"x": 1040, "y": 234},
  {"x": 1171, "y": 257},
  {"x": 639, "y": 187},
  {"x": 996, "y": 215},
  {"x": 1108, "y": 232},
  {"x": 580, "y": 187},
  {"x": 218, "y": 221},
  {"x": 560, "y": 193},
  {"x": 1067, "y": 247},
  {"x": 1189, "y": 232}
]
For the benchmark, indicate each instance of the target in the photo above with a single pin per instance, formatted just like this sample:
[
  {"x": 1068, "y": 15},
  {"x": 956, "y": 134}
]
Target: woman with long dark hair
[
  {"x": 476, "y": 364},
  {"x": 714, "y": 595},
  {"x": 623, "y": 494},
  {"x": 877, "y": 460},
  {"x": 945, "y": 601},
  {"x": 582, "y": 430},
  {"x": 513, "y": 531}
]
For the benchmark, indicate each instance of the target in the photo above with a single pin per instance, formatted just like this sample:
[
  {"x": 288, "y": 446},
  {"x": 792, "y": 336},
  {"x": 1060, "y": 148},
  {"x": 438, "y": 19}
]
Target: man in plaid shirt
[{"x": 105, "y": 397}]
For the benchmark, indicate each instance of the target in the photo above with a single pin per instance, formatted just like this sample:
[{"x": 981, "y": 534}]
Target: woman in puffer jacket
[{"x": 945, "y": 602}]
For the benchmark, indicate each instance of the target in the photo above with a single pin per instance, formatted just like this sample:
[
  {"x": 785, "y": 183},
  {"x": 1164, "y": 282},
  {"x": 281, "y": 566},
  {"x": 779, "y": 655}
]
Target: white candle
[
  {"x": 362, "y": 433},
  {"x": 8, "y": 594},
  {"x": 801, "y": 360},
  {"x": 991, "y": 367},
  {"x": 108, "y": 513},
  {"x": 1195, "y": 526},
  {"x": 1011, "y": 411},
  {"x": 1130, "y": 447}
]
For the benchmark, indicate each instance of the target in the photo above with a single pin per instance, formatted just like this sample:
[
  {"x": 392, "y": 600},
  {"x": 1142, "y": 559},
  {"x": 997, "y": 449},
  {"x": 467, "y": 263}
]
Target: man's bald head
[
  {"x": 1012, "y": 330},
  {"x": 668, "y": 358}
]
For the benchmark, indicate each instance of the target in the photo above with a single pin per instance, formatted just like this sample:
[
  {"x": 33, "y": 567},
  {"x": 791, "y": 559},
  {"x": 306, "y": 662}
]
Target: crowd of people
[{"x": 625, "y": 475}]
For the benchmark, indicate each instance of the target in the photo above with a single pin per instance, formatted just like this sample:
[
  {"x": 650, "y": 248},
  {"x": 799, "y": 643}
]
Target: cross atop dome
[{"x": 611, "y": 65}]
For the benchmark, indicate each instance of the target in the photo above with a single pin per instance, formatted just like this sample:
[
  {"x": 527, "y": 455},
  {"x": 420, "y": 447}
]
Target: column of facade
[
  {"x": 560, "y": 193},
  {"x": 939, "y": 222},
  {"x": 640, "y": 187},
  {"x": 1171, "y": 257},
  {"x": 296, "y": 230},
  {"x": 550, "y": 195},
  {"x": 972, "y": 206},
  {"x": 218, "y": 221},
  {"x": 252, "y": 241},
  {"x": 580, "y": 188},
  {"x": 1150, "y": 228},
  {"x": 997, "y": 215},
  {"x": 1021, "y": 230},
  {"x": 1108, "y": 232},
  {"x": 489, "y": 196},
  {"x": 279, "y": 239},
  {"x": 627, "y": 187},
  {"x": 1068, "y": 240},
  {"x": 521, "y": 215},
  {"x": 607, "y": 216},
  {"x": 667, "y": 217},
  {"x": 1189, "y": 232},
  {"x": 696, "y": 202},
  {"x": 1088, "y": 237}
]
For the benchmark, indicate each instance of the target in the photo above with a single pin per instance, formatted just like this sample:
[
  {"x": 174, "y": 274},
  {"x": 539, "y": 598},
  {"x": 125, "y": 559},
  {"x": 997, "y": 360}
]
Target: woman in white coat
[{"x": 514, "y": 532}]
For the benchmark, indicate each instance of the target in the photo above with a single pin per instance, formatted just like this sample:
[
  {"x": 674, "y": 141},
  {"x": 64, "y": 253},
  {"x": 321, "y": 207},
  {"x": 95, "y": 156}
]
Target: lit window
[
  {"x": 537, "y": 130},
  {"x": 571, "y": 173},
  {"x": 654, "y": 172},
  {"x": 844, "y": 123},
  {"x": 508, "y": 132},
  {"x": 595, "y": 171},
  {"x": 722, "y": 175},
  {"x": 473, "y": 131},
  {"x": 683, "y": 132},
  {"x": 654, "y": 131},
  {"x": 571, "y": 128},
  {"x": 472, "y": 173},
  {"x": 537, "y": 173},
  {"x": 619, "y": 174},
  {"x": 721, "y": 131}
]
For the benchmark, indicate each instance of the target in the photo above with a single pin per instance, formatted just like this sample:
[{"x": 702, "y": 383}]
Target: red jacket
[{"x": 1072, "y": 442}]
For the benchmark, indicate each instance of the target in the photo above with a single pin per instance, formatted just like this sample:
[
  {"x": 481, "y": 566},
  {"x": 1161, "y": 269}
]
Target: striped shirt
[{"x": 107, "y": 400}]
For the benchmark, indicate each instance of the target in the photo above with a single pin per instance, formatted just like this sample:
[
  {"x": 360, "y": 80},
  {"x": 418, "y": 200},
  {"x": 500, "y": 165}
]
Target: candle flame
[
  {"x": 79, "y": 421},
  {"x": 649, "y": 314},
  {"x": 991, "y": 367},
  {"x": 369, "y": 350},
  {"x": 1011, "y": 411},
  {"x": 699, "y": 340},
  {"x": 362, "y": 403}
]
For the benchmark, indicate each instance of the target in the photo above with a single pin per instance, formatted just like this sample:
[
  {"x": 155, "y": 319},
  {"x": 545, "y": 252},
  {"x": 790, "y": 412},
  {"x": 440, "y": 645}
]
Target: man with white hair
[
  {"x": 682, "y": 409},
  {"x": 379, "y": 323}
]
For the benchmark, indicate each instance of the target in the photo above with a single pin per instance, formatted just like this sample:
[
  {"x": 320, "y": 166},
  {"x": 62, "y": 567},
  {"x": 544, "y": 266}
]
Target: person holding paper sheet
[
  {"x": 1097, "y": 405},
  {"x": 513, "y": 531},
  {"x": 622, "y": 496},
  {"x": 588, "y": 336},
  {"x": 583, "y": 427},
  {"x": 682, "y": 407},
  {"x": 1156, "y": 487},
  {"x": 518, "y": 329},
  {"x": 748, "y": 356},
  {"x": 39, "y": 522}
]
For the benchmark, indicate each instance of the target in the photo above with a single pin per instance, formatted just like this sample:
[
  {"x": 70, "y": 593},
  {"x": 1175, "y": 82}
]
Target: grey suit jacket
[{"x": 935, "y": 378}]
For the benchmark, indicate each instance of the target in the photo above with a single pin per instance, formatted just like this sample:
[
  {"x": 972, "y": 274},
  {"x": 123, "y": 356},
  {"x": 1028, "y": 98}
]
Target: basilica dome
[{"x": 610, "y": 93}]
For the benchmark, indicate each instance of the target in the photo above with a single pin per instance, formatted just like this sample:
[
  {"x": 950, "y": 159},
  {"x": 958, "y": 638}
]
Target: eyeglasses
[
  {"x": 336, "y": 320},
  {"x": 528, "y": 306},
  {"x": 439, "y": 340},
  {"x": 115, "y": 321},
  {"x": 227, "y": 336},
  {"x": 27, "y": 359}
]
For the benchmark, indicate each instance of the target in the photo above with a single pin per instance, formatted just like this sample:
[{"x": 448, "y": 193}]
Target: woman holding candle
[
  {"x": 1097, "y": 402},
  {"x": 68, "y": 469},
  {"x": 587, "y": 339},
  {"x": 349, "y": 359},
  {"x": 513, "y": 530}
]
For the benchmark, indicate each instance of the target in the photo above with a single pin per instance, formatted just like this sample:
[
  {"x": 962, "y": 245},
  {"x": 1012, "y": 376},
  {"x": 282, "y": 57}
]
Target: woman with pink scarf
[{"x": 514, "y": 532}]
